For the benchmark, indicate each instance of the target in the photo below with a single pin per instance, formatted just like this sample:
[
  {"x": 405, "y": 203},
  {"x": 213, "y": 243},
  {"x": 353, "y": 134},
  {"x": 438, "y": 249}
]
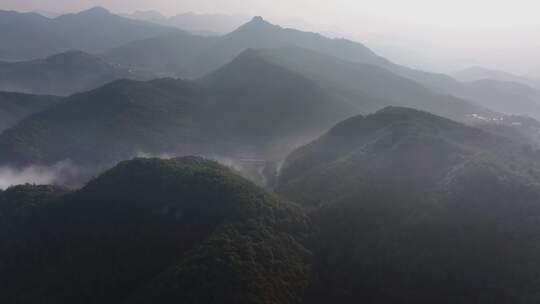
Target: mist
[{"x": 64, "y": 173}]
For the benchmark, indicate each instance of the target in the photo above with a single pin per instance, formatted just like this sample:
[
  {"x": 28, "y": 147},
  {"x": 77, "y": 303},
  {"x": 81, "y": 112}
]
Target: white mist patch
[
  {"x": 152, "y": 155},
  {"x": 62, "y": 173}
]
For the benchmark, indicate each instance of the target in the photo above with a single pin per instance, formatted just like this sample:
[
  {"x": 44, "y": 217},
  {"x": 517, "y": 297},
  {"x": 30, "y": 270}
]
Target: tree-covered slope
[
  {"x": 415, "y": 208},
  {"x": 394, "y": 141},
  {"x": 110, "y": 123},
  {"x": 194, "y": 233}
]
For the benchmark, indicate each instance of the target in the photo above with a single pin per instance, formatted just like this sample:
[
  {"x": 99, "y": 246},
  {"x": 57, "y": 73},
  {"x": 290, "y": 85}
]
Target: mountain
[
  {"x": 27, "y": 36},
  {"x": 477, "y": 73},
  {"x": 48, "y": 14},
  {"x": 213, "y": 23},
  {"x": 14, "y": 107},
  {"x": 151, "y": 16},
  {"x": 195, "y": 233},
  {"x": 359, "y": 79},
  {"x": 400, "y": 206},
  {"x": 263, "y": 102},
  {"x": 60, "y": 74},
  {"x": 506, "y": 97},
  {"x": 193, "y": 56},
  {"x": 415, "y": 208},
  {"x": 210, "y": 53},
  {"x": 250, "y": 106},
  {"x": 110, "y": 123},
  {"x": 260, "y": 34},
  {"x": 218, "y": 24},
  {"x": 170, "y": 56}
]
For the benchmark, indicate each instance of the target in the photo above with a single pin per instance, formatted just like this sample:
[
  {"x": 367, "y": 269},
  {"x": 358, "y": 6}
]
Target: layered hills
[{"x": 61, "y": 74}]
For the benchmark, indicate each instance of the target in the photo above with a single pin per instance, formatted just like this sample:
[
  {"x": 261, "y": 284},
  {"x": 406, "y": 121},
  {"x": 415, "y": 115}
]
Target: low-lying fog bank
[{"x": 71, "y": 175}]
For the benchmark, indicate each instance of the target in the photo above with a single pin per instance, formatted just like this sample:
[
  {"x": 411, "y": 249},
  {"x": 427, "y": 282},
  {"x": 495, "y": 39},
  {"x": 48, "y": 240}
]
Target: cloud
[{"x": 62, "y": 173}]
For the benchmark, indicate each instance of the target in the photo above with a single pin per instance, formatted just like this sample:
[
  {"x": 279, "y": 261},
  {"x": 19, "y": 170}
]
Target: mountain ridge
[{"x": 29, "y": 36}]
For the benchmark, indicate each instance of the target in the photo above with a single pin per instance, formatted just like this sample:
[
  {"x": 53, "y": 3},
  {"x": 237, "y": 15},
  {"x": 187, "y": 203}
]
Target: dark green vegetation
[
  {"x": 415, "y": 208},
  {"x": 179, "y": 231},
  {"x": 111, "y": 123},
  {"x": 61, "y": 74},
  {"x": 400, "y": 206},
  {"x": 15, "y": 106},
  {"x": 27, "y": 36}
]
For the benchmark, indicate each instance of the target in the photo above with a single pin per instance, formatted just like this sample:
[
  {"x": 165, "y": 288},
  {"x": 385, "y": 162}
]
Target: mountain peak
[
  {"x": 256, "y": 24},
  {"x": 96, "y": 10},
  {"x": 257, "y": 19}
]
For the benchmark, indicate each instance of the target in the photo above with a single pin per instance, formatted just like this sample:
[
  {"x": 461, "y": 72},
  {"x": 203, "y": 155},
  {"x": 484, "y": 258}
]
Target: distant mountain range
[
  {"x": 61, "y": 74},
  {"x": 505, "y": 97},
  {"x": 137, "y": 49},
  {"x": 192, "y": 56},
  {"x": 212, "y": 24},
  {"x": 365, "y": 83},
  {"x": 479, "y": 73},
  {"x": 259, "y": 102},
  {"x": 27, "y": 36},
  {"x": 241, "y": 75}
]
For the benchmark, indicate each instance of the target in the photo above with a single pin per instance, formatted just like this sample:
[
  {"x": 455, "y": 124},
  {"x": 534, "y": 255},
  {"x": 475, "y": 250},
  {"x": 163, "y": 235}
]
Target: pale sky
[
  {"x": 442, "y": 34},
  {"x": 434, "y": 12}
]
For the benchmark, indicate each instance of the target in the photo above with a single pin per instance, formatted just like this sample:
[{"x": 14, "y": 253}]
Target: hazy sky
[
  {"x": 441, "y": 34},
  {"x": 440, "y": 12}
]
